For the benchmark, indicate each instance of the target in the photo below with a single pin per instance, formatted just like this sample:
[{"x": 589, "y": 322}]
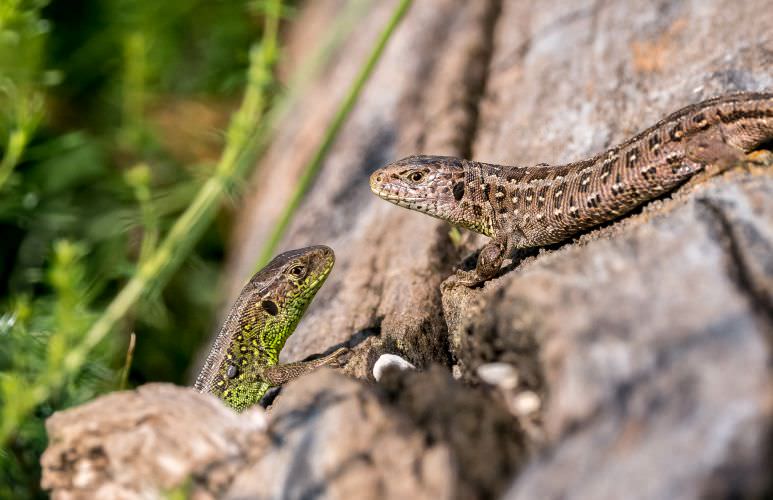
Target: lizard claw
[
  {"x": 334, "y": 360},
  {"x": 760, "y": 157},
  {"x": 462, "y": 278}
]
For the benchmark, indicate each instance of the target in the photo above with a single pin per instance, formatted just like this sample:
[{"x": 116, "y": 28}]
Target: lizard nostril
[{"x": 376, "y": 179}]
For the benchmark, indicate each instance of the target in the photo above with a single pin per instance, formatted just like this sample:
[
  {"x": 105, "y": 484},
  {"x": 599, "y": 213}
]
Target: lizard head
[
  {"x": 291, "y": 280},
  {"x": 264, "y": 316},
  {"x": 433, "y": 185}
]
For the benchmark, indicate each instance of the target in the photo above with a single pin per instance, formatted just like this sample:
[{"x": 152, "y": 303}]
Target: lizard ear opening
[
  {"x": 270, "y": 307},
  {"x": 459, "y": 190}
]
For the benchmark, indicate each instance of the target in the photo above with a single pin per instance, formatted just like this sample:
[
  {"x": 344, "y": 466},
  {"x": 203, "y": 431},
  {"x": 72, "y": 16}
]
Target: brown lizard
[{"x": 523, "y": 207}]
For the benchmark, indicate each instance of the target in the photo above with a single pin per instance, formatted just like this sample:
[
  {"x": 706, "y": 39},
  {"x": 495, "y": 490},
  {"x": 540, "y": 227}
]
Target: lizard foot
[
  {"x": 338, "y": 358},
  {"x": 760, "y": 158},
  {"x": 462, "y": 278}
]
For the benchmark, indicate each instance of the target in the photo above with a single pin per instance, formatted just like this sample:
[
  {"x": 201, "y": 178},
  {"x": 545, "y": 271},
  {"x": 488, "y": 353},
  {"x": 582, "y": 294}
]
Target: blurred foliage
[
  {"x": 111, "y": 119},
  {"x": 331, "y": 132}
]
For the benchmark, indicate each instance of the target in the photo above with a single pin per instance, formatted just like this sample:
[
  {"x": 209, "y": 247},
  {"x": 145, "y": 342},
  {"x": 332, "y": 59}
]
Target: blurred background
[{"x": 114, "y": 117}]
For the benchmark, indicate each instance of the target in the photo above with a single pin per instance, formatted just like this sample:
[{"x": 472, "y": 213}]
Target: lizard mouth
[
  {"x": 397, "y": 199},
  {"x": 323, "y": 275},
  {"x": 317, "y": 282},
  {"x": 412, "y": 203}
]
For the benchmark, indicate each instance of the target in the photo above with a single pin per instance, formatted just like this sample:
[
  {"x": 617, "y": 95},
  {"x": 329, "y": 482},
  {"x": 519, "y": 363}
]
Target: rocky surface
[
  {"x": 631, "y": 362},
  {"x": 336, "y": 438},
  {"x": 139, "y": 444}
]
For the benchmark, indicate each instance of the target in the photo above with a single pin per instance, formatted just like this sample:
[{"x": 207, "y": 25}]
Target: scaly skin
[
  {"x": 243, "y": 362},
  {"x": 522, "y": 207}
]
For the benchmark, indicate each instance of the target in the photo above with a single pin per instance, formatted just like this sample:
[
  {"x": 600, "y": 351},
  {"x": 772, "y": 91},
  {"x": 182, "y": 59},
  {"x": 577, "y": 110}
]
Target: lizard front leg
[
  {"x": 489, "y": 262},
  {"x": 280, "y": 374}
]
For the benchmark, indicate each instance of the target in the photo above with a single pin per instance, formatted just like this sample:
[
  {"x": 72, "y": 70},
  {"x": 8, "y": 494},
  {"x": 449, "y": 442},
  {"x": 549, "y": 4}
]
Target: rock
[
  {"x": 389, "y": 362},
  {"x": 138, "y": 444},
  {"x": 526, "y": 403},
  {"x": 334, "y": 437},
  {"x": 502, "y": 375},
  {"x": 487, "y": 444},
  {"x": 331, "y": 436}
]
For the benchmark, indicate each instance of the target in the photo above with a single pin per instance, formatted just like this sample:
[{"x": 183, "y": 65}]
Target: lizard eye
[
  {"x": 297, "y": 271},
  {"x": 416, "y": 176},
  {"x": 232, "y": 371}
]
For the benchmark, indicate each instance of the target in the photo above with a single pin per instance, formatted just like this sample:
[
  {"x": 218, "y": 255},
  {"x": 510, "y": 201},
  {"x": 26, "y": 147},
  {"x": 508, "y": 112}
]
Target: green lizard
[{"x": 243, "y": 362}]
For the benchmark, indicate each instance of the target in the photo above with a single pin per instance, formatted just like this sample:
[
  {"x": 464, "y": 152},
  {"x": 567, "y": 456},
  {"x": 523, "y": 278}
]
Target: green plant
[
  {"x": 85, "y": 198},
  {"x": 111, "y": 241},
  {"x": 311, "y": 169}
]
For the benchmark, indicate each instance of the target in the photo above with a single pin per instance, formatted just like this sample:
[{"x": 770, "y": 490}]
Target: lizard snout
[{"x": 377, "y": 180}]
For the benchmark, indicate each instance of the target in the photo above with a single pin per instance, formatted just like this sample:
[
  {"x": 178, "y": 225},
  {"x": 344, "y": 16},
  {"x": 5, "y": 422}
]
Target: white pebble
[
  {"x": 526, "y": 403},
  {"x": 387, "y": 361},
  {"x": 502, "y": 375}
]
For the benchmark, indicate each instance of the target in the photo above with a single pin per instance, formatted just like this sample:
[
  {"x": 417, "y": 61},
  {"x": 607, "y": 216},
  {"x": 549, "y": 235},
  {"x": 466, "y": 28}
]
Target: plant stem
[
  {"x": 135, "y": 55},
  {"x": 17, "y": 141},
  {"x": 311, "y": 169},
  {"x": 188, "y": 228},
  {"x": 123, "y": 381}
]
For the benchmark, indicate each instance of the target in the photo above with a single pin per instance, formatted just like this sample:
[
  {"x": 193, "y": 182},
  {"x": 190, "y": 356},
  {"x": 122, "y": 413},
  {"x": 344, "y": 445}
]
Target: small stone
[
  {"x": 526, "y": 403},
  {"x": 502, "y": 375},
  {"x": 388, "y": 361}
]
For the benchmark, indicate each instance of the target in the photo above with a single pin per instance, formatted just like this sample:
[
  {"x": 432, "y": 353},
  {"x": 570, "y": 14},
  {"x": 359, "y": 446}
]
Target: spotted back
[{"x": 543, "y": 204}]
